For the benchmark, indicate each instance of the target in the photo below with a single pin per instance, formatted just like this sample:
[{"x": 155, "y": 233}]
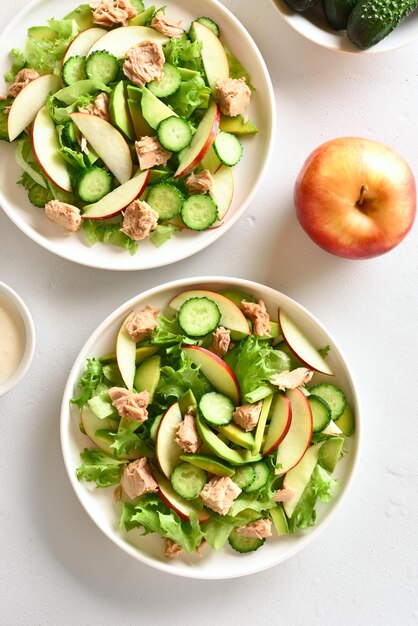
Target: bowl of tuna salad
[
  {"x": 133, "y": 136},
  {"x": 210, "y": 427}
]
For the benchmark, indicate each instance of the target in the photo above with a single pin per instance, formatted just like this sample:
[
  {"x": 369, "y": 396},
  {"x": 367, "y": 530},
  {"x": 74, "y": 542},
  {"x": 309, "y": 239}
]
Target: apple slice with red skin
[
  {"x": 298, "y": 477},
  {"x": 201, "y": 142},
  {"x": 222, "y": 190},
  {"x": 118, "y": 199},
  {"x": 216, "y": 371},
  {"x": 281, "y": 418},
  {"x": 46, "y": 148},
  {"x": 294, "y": 445},
  {"x": 126, "y": 355},
  {"x": 107, "y": 142},
  {"x": 231, "y": 316},
  {"x": 300, "y": 345},
  {"x": 120, "y": 40},
  {"x": 83, "y": 42},
  {"x": 213, "y": 53},
  {"x": 182, "y": 507},
  {"x": 166, "y": 449},
  {"x": 28, "y": 102}
]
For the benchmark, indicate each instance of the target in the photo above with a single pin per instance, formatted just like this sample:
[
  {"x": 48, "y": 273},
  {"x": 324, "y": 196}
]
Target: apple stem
[{"x": 363, "y": 191}]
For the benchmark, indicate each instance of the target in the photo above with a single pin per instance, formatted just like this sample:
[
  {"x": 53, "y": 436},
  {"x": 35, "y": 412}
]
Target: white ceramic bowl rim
[
  {"x": 30, "y": 339},
  {"x": 72, "y": 379},
  {"x": 184, "y": 249}
]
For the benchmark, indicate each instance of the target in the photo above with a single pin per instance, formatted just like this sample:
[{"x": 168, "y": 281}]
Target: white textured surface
[{"x": 55, "y": 567}]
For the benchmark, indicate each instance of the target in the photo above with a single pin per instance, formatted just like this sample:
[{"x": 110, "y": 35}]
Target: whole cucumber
[
  {"x": 337, "y": 12},
  {"x": 372, "y": 20},
  {"x": 301, "y": 5}
]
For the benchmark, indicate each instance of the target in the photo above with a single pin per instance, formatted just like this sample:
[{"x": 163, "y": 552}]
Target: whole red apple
[{"x": 355, "y": 198}]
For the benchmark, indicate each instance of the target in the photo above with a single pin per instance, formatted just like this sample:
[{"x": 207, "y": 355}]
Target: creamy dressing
[{"x": 12, "y": 338}]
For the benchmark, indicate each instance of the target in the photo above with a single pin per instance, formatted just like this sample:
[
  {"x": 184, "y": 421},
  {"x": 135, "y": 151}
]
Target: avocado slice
[
  {"x": 119, "y": 111},
  {"x": 209, "y": 464},
  {"x": 330, "y": 452},
  {"x": 237, "y": 435},
  {"x": 237, "y": 126},
  {"x": 147, "y": 375},
  {"x": 141, "y": 354},
  {"x": 186, "y": 400},
  {"x": 279, "y": 520},
  {"x": 153, "y": 109},
  {"x": 141, "y": 126},
  {"x": 83, "y": 15},
  {"x": 221, "y": 449},
  {"x": 143, "y": 18},
  {"x": 346, "y": 421}
]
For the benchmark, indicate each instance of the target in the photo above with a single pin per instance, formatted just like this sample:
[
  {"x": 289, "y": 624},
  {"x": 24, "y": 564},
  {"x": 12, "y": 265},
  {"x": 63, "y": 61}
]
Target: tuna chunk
[
  {"x": 187, "y": 435},
  {"x": 247, "y": 415},
  {"x": 99, "y": 107},
  {"x": 144, "y": 63},
  {"x": 137, "y": 479},
  {"x": 284, "y": 495},
  {"x": 112, "y": 12},
  {"x": 260, "y": 529},
  {"x": 131, "y": 405},
  {"x": 165, "y": 26},
  {"x": 150, "y": 153},
  {"x": 22, "y": 78},
  {"x": 64, "y": 214},
  {"x": 221, "y": 340},
  {"x": 290, "y": 380},
  {"x": 219, "y": 494},
  {"x": 259, "y": 317},
  {"x": 233, "y": 96},
  {"x": 200, "y": 182},
  {"x": 172, "y": 550},
  {"x": 142, "y": 323},
  {"x": 139, "y": 220}
]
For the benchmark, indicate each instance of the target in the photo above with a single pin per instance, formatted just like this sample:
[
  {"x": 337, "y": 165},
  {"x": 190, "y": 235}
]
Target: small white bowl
[
  {"x": 99, "y": 503},
  {"x": 312, "y": 25},
  {"x": 30, "y": 338}
]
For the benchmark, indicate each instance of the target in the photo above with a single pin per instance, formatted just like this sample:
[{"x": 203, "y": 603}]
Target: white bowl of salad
[
  {"x": 143, "y": 130},
  {"x": 197, "y": 440}
]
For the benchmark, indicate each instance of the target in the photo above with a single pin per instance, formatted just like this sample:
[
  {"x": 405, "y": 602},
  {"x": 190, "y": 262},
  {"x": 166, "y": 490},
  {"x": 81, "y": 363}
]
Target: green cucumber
[
  {"x": 168, "y": 83},
  {"x": 39, "y": 196},
  {"x": 74, "y": 70},
  {"x": 199, "y": 212},
  {"x": 242, "y": 544},
  {"x": 188, "y": 480},
  {"x": 301, "y": 5},
  {"x": 93, "y": 184},
  {"x": 102, "y": 66},
  {"x": 333, "y": 396},
  {"x": 209, "y": 23},
  {"x": 174, "y": 134},
  {"x": 372, "y": 20},
  {"x": 337, "y": 12},
  {"x": 262, "y": 474},
  {"x": 198, "y": 317},
  {"x": 216, "y": 408},
  {"x": 166, "y": 199},
  {"x": 321, "y": 413},
  {"x": 244, "y": 476}
]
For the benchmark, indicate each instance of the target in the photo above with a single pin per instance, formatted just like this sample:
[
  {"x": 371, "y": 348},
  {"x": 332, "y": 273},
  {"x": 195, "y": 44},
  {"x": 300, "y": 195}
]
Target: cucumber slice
[
  {"x": 321, "y": 413},
  {"x": 244, "y": 476},
  {"x": 93, "y": 184},
  {"x": 330, "y": 452},
  {"x": 168, "y": 84},
  {"x": 199, "y": 316},
  {"x": 333, "y": 396},
  {"x": 228, "y": 148},
  {"x": 199, "y": 212},
  {"x": 102, "y": 66},
  {"x": 262, "y": 474},
  {"x": 69, "y": 134},
  {"x": 188, "y": 480},
  {"x": 174, "y": 134},
  {"x": 166, "y": 199},
  {"x": 74, "y": 70},
  {"x": 39, "y": 196},
  {"x": 244, "y": 544},
  {"x": 206, "y": 21},
  {"x": 154, "y": 426},
  {"x": 216, "y": 408},
  {"x": 209, "y": 464}
]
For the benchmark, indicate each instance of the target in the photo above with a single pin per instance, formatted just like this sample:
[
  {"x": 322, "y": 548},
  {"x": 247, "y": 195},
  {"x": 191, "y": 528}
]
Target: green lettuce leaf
[
  {"x": 89, "y": 382},
  {"x": 217, "y": 533},
  {"x": 236, "y": 69},
  {"x": 18, "y": 64},
  {"x": 174, "y": 382},
  {"x": 26, "y": 160},
  {"x": 126, "y": 441},
  {"x": 112, "y": 374},
  {"x": 163, "y": 233},
  {"x": 181, "y": 51},
  {"x": 151, "y": 515},
  {"x": 254, "y": 362},
  {"x": 99, "y": 468},
  {"x": 324, "y": 351},
  {"x": 108, "y": 232},
  {"x": 190, "y": 96},
  {"x": 321, "y": 485},
  {"x": 45, "y": 54}
]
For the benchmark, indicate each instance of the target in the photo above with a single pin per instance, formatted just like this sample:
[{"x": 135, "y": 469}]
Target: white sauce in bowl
[{"x": 12, "y": 338}]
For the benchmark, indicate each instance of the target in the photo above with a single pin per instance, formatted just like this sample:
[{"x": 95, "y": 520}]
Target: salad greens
[
  {"x": 94, "y": 79},
  {"x": 168, "y": 370}
]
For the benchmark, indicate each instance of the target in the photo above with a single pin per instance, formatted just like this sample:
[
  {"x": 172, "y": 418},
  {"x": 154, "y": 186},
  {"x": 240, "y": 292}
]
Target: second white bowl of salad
[
  {"x": 210, "y": 427},
  {"x": 133, "y": 135}
]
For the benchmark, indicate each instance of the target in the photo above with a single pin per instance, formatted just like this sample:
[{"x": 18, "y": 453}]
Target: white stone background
[{"x": 55, "y": 566}]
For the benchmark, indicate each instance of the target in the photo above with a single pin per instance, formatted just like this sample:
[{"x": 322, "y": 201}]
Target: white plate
[
  {"x": 247, "y": 174},
  {"x": 313, "y": 26},
  {"x": 99, "y": 503}
]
